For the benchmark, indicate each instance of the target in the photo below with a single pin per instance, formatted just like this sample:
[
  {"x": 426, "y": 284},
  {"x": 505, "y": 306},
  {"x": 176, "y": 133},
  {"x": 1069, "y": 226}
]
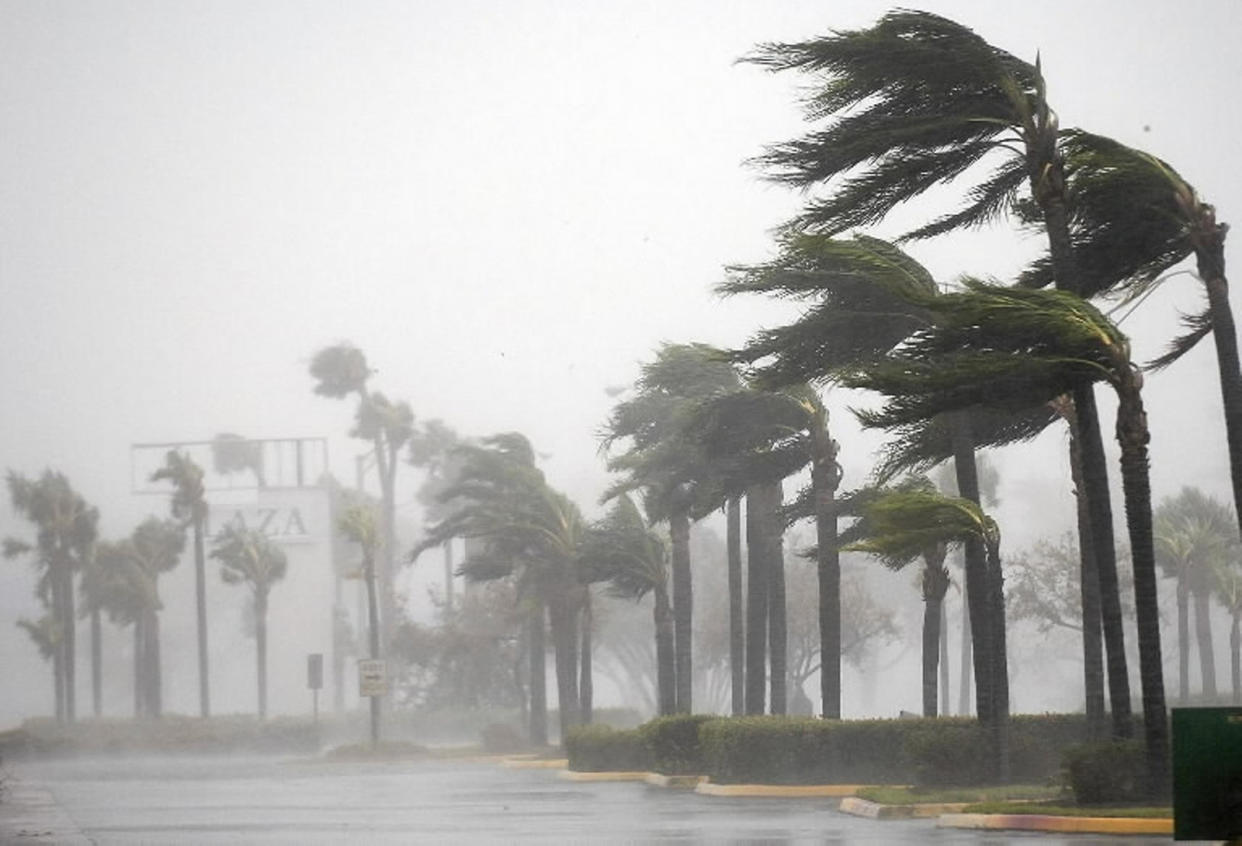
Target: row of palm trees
[{"x": 120, "y": 580}]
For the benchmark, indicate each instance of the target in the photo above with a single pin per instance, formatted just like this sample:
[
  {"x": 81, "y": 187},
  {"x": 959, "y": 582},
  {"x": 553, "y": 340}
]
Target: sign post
[
  {"x": 373, "y": 682},
  {"x": 314, "y": 678}
]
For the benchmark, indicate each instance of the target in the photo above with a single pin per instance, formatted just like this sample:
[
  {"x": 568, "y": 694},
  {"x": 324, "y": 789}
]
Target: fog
[{"x": 508, "y": 207}]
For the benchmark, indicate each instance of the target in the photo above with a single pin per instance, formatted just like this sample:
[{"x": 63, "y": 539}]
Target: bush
[
  {"x": 1113, "y": 771},
  {"x": 673, "y": 743},
  {"x": 597, "y": 748},
  {"x": 501, "y": 738}
]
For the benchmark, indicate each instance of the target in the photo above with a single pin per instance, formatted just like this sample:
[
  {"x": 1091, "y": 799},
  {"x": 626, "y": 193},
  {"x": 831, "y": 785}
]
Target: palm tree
[
  {"x": 1004, "y": 347},
  {"x": 340, "y": 371},
  {"x": 528, "y": 531},
  {"x": 917, "y": 100},
  {"x": 247, "y": 556},
  {"x": 1195, "y": 536},
  {"x": 66, "y": 527},
  {"x": 934, "y": 579},
  {"x": 633, "y": 560},
  {"x": 668, "y": 466},
  {"x": 1229, "y": 592},
  {"x": 911, "y": 521},
  {"x": 189, "y": 505},
  {"x": 431, "y": 449},
  {"x": 357, "y": 525}
]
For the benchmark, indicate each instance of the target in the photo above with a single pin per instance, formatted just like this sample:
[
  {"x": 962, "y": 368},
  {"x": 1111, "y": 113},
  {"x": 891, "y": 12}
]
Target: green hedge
[
  {"x": 1107, "y": 772},
  {"x": 673, "y": 743},
  {"x": 932, "y": 752},
  {"x": 598, "y": 748}
]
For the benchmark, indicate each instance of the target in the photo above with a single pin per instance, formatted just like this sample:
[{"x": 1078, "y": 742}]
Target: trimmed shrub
[
  {"x": 1109, "y": 772},
  {"x": 673, "y": 743},
  {"x": 598, "y": 748}
]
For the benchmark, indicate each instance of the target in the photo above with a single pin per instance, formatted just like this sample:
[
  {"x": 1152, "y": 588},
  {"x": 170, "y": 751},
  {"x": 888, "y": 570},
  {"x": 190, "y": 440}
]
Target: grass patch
[
  {"x": 893, "y": 795},
  {"x": 1061, "y": 809}
]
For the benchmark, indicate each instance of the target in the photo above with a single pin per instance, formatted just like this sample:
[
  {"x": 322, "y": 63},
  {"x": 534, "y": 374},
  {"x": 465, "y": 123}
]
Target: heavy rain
[{"x": 695, "y": 422}]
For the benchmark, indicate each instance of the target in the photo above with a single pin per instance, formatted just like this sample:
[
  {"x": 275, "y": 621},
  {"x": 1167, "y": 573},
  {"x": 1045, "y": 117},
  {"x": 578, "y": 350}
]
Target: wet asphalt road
[{"x": 272, "y": 801}]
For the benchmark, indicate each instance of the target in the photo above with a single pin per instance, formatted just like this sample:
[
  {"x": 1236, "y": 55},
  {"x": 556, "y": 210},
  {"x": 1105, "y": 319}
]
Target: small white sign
[{"x": 372, "y": 677}]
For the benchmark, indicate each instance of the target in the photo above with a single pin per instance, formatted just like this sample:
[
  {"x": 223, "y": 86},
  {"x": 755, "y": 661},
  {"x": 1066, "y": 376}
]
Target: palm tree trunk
[
  {"x": 373, "y": 631},
  {"x": 96, "y": 664},
  {"x": 778, "y": 646},
  {"x": 966, "y": 664},
  {"x": 825, "y": 476},
  {"x": 565, "y": 650},
  {"x": 737, "y": 625},
  {"x": 1089, "y": 594},
  {"x": 58, "y": 648},
  {"x": 931, "y": 652},
  {"x": 538, "y": 677},
  {"x": 154, "y": 675},
  {"x": 1183, "y": 639},
  {"x": 388, "y": 603},
  {"x": 679, "y": 535},
  {"x": 448, "y": 575},
  {"x": 260, "y": 642},
  {"x": 756, "y": 599},
  {"x": 200, "y": 594},
  {"x": 945, "y": 685},
  {"x": 1133, "y": 436},
  {"x": 71, "y": 646},
  {"x": 586, "y": 684},
  {"x": 1235, "y": 655},
  {"x": 140, "y": 685},
  {"x": 999, "y": 665},
  {"x": 1095, "y": 484},
  {"x": 976, "y": 571},
  {"x": 1203, "y": 637},
  {"x": 666, "y": 673}
]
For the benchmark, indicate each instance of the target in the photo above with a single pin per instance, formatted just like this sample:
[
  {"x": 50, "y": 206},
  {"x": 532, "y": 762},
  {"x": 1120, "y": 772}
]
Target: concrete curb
[
  {"x": 535, "y": 763},
  {"x": 675, "y": 782},
  {"x": 29, "y": 814},
  {"x": 875, "y": 811},
  {"x": 780, "y": 791},
  {"x": 1063, "y": 825},
  {"x": 607, "y": 775}
]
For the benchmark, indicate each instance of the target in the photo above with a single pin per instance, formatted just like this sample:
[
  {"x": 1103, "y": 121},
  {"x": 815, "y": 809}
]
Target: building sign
[
  {"x": 314, "y": 670},
  {"x": 286, "y": 524},
  {"x": 372, "y": 677}
]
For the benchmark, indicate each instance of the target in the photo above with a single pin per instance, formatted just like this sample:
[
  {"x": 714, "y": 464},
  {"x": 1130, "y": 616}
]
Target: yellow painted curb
[
  {"x": 535, "y": 763},
  {"x": 875, "y": 811},
  {"x": 613, "y": 775},
  {"x": 683, "y": 782},
  {"x": 1065, "y": 825},
  {"x": 780, "y": 791}
]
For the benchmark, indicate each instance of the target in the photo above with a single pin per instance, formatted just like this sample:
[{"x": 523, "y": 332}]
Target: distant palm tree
[
  {"x": 66, "y": 528},
  {"x": 247, "y": 556},
  {"x": 189, "y": 505},
  {"x": 358, "y": 525},
  {"x": 1195, "y": 536},
  {"x": 1229, "y": 592},
  {"x": 633, "y": 560}
]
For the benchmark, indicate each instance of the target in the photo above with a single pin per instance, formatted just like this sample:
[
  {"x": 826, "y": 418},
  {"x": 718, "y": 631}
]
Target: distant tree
[
  {"x": 66, "y": 528},
  {"x": 189, "y": 505},
  {"x": 247, "y": 556},
  {"x": 431, "y": 448},
  {"x": 234, "y": 454},
  {"x": 1229, "y": 592}
]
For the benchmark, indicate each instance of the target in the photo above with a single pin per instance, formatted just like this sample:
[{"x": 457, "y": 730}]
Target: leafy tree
[
  {"x": 247, "y": 556},
  {"x": 914, "y": 101},
  {"x": 189, "y": 505},
  {"x": 664, "y": 461},
  {"x": 341, "y": 371},
  {"x": 66, "y": 528},
  {"x": 234, "y": 454},
  {"x": 998, "y": 345},
  {"x": 1195, "y": 536},
  {"x": 905, "y": 523}
]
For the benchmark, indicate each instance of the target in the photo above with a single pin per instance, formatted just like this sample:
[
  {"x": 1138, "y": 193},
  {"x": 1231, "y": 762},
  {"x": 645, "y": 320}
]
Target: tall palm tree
[
  {"x": 358, "y": 525},
  {"x": 1229, "y": 592},
  {"x": 633, "y": 560},
  {"x": 915, "y": 520},
  {"x": 189, "y": 505},
  {"x": 341, "y": 371},
  {"x": 1003, "y": 347},
  {"x": 431, "y": 449},
  {"x": 668, "y": 466},
  {"x": 247, "y": 556},
  {"x": 529, "y": 531},
  {"x": 917, "y": 100},
  {"x": 1195, "y": 536},
  {"x": 66, "y": 528}
]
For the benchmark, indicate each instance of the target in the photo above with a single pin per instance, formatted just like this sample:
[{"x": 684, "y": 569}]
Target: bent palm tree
[
  {"x": 1007, "y": 347},
  {"x": 189, "y": 505},
  {"x": 247, "y": 556},
  {"x": 357, "y": 525}
]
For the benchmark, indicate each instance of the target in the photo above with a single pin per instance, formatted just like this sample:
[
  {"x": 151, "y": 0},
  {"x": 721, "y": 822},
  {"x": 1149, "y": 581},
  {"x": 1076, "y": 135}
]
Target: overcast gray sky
[{"x": 507, "y": 205}]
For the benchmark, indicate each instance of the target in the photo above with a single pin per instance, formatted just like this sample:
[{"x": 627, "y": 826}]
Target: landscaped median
[{"x": 1059, "y": 824}]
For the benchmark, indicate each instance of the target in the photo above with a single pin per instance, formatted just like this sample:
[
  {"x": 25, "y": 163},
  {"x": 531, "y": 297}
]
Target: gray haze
[{"x": 507, "y": 205}]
